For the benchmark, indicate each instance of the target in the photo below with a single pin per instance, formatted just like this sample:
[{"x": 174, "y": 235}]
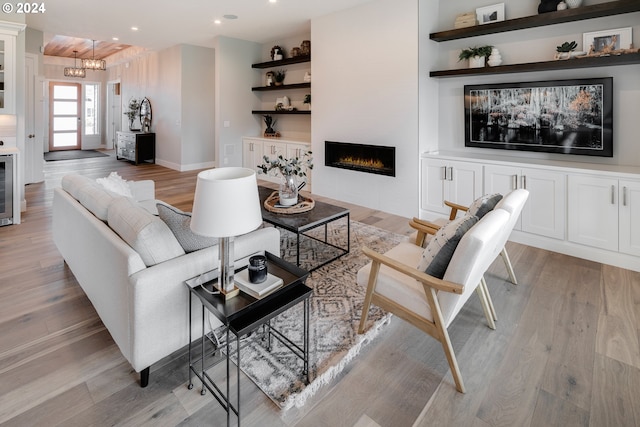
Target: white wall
[
  {"x": 365, "y": 90},
  {"x": 532, "y": 45}
]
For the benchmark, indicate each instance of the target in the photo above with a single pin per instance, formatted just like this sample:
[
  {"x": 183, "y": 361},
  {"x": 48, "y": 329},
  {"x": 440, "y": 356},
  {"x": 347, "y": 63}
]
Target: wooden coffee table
[{"x": 300, "y": 223}]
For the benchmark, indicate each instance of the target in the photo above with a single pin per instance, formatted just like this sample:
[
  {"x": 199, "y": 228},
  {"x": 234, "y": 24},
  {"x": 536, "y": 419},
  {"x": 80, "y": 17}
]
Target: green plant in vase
[
  {"x": 476, "y": 55},
  {"x": 279, "y": 76},
  {"x": 289, "y": 169}
]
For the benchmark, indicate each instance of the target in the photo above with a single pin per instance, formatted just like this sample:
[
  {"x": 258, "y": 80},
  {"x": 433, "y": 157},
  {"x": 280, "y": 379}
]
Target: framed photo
[
  {"x": 619, "y": 38},
  {"x": 489, "y": 14},
  {"x": 557, "y": 116}
]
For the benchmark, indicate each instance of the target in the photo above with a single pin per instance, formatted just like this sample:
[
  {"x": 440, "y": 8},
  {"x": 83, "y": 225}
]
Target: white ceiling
[{"x": 165, "y": 23}]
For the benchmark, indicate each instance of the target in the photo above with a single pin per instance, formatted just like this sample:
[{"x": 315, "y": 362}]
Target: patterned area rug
[{"x": 336, "y": 307}]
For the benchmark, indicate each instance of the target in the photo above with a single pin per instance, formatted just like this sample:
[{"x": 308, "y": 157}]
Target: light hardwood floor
[{"x": 565, "y": 351}]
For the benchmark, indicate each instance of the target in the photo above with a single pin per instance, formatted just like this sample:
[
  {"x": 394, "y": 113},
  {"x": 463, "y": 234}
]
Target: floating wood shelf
[
  {"x": 280, "y": 112},
  {"x": 602, "y": 61},
  {"x": 282, "y": 87},
  {"x": 281, "y": 62},
  {"x": 543, "y": 19}
]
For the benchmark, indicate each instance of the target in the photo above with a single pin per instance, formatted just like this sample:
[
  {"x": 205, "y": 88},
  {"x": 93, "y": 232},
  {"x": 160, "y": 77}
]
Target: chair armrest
[
  {"x": 454, "y": 209},
  {"x": 424, "y": 228},
  {"x": 424, "y": 278}
]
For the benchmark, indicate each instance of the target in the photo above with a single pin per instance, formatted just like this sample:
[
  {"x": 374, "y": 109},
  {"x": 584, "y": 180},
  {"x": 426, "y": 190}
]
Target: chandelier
[
  {"x": 75, "y": 71},
  {"x": 93, "y": 63}
]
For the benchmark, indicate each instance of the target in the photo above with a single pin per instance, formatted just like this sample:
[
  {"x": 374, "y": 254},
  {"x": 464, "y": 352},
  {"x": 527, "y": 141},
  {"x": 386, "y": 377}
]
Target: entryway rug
[
  {"x": 53, "y": 156},
  {"x": 336, "y": 307}
]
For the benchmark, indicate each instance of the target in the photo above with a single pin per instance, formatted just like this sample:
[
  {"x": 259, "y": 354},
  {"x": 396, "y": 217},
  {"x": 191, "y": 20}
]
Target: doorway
[{"x": 65, "y": 116}]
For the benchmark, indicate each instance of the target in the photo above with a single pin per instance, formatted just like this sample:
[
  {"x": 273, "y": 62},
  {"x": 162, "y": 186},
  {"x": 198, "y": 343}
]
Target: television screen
[{"x": 558, "y": 116}]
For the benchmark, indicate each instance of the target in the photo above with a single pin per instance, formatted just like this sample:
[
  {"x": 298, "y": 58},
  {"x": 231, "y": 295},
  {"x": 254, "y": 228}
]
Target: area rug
[
  {"x": 53, "y": 156},
  {"x": 336, "y": 307}
]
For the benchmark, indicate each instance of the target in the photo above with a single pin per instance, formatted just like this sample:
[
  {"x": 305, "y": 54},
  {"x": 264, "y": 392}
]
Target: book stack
[
  {"x": 256, "y": 290},
  {"x": 465, "y": 20}
]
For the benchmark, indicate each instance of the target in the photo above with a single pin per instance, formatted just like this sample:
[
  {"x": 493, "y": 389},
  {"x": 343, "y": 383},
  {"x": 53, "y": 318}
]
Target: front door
[{"x": 64, "y": 116}]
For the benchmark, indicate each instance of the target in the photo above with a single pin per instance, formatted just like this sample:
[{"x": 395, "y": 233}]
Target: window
[{"x": 91, "y": 113}]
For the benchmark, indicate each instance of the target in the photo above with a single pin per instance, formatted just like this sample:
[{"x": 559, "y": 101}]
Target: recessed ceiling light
[
  {"x": 134, "y": 28},
  {"x": 273, "y": 1},
  {"x": 115, "y": 39},
  {"x": 217, "y": 22},
  {"x": 230, "y": 16}
]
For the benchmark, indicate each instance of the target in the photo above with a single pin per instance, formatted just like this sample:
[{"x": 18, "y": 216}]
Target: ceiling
[
  {"x": 65, "y": 46},
  {"x": 162, "y": 23}
]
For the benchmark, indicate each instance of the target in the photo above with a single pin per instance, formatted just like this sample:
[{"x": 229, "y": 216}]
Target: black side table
[{"x": 244, "y": 314}]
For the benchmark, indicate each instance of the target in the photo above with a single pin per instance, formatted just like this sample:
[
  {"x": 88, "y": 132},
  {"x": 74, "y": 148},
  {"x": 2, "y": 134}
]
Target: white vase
[
  {"x": 572, "y": 4},
  {"x": 495, "y": 58},
  {"x": 288, "y": 191},
  {"x": 476, "y": 62}
]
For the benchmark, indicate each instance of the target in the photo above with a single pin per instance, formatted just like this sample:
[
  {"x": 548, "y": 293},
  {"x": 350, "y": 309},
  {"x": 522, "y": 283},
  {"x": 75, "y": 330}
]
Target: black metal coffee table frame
[
  {"x": 241, "y": 316},
  {"x": 300, "y": 223}
]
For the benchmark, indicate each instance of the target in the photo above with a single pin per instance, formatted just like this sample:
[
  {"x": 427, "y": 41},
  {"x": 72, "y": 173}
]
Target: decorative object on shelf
[
  {"x": 561, "y": 6},
  {"x": 307, "y": 77},
  {"x": 608, "y": 42},
  {"x": 270, "y": 132},
  {"x": 305, "y": 47},
  {"x": 93, "y": 63},
  {"x": 495, "y": 58},
  {"x": 145, "y": 115},
  {"x": 548, "y": 6},
  {"x": 75, "y": 71},
  {"x": 257, "y": 269},
  {"x": 284, "y": 104},
  {"x": 564, "y": 50},
  {"x": 272, "y": 204},
  {"x": 277, "y": 53},
  {"x": 465, "y": 20},
  {"x": 490, "y": 14},
  {"x": 558, "y": 116},
  {"x": 289, "y": 169},
  {"x": 296, "y": 51},
  {"x": 270, "y": 80},
  {"x": 214, "y": 216},
  {"x": 279, "y": 76},
  {"x": 307, "y": 100},
  {"x": 475, "y": 55},
  {"x": 132, "y": 113},
  {"x": 572, "y": 4}
]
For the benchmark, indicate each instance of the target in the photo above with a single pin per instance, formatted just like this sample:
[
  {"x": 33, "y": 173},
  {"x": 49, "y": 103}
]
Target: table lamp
[{"x": 226, "y": 204}]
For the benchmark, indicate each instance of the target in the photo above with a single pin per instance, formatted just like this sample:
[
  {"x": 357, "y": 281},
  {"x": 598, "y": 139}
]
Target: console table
[{"x": 136, "y": 147}]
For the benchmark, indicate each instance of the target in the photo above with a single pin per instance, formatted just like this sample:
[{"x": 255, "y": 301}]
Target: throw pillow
[
  {"x": 484, "y": 204},
  {"x": 115, "y": 184},
  {"x": 180, "y": 225},
  {"x": 437, "y": 255}
]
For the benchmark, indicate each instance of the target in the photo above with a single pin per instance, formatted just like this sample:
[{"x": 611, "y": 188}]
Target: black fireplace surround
[{"x": 375, "y": 159}]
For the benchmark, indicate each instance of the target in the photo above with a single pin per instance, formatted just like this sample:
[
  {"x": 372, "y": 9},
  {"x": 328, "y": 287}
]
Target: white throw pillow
[
  {"x": 179, "y": 223},
  {"x": 116, "y": 184}
]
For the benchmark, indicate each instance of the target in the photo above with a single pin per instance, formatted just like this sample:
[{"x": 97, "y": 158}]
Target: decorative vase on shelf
[
  {"x": 572, "y": 4},
  {"x": 288, "y": 191},
  {"x": 495, "y": 58},
  {"x": 476, "y": 62}
]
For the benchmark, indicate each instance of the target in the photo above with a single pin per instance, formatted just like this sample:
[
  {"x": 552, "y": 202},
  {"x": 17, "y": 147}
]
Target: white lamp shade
[{"x": 226, "y": 203}]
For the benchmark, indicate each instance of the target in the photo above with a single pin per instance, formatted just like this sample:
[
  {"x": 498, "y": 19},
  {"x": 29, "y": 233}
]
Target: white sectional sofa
[{"x": 132, "y": 268}]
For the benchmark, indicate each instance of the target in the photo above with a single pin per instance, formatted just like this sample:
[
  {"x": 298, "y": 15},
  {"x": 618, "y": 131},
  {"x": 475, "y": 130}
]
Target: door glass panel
[
  {"x": 65, "y": 92},
  {"x": 65, "y": 123},
  {"x": 65, "y": 139},
  {"x": 65, "y": 107}
]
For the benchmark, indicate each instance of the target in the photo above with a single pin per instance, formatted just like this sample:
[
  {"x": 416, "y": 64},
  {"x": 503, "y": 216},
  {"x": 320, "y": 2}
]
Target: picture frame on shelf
[
  {"x": 490, "y": 14},
  {"x": 615, "y": 39}
]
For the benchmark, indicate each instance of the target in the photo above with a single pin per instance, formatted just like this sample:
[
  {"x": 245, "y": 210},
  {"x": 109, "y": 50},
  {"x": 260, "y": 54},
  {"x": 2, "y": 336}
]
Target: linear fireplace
[{"x": 360, "y": 157}]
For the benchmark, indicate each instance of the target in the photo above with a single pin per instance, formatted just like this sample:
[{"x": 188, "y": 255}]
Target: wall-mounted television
[{"x": 557, "y": 116}]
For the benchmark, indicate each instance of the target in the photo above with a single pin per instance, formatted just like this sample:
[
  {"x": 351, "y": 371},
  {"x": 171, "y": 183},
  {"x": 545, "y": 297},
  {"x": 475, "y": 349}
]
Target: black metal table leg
[
  {"x": 204, "y": 388},
  {"x": 190, "y": 385}
]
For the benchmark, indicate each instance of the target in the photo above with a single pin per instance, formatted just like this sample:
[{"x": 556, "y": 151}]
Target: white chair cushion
[
  {"x": 145, "y": 233},
  {"x": 436, "y": 256},
  {"x": 484, "y": 204},
  {"x": 399, "y": 287},
  {"x": 179, "y": 223}
]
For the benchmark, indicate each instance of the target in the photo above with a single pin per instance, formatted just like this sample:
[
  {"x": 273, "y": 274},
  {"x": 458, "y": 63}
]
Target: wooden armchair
[{"x": 395, "y": 284}]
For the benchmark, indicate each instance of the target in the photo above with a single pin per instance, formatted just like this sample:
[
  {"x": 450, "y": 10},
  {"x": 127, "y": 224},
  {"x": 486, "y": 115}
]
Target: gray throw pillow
[
  {"x": 437, "y": 255},
  {"x": 484, "y": 204},
  {"x": 179, "y": 223}
]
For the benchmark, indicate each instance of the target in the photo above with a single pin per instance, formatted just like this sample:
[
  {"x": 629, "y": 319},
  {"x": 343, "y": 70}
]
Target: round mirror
[{"x": 145, "y": 115}]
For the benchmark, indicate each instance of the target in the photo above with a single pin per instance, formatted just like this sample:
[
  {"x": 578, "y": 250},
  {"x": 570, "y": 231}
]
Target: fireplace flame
[{"x": 366, "y": 163}]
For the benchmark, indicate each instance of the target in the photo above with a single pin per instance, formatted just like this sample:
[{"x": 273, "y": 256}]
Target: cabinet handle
[
  {"x": 450, "y": 173},
  {"x": 624, "y": 196},
  {"x": 514, "y": 182},
  {"x": 444, "y": 173},
  {"x": 524, "y": 181},
  {"x": 613, "y": 190}
]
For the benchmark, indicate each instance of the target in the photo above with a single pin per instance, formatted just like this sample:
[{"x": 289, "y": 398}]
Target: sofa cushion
[
  {"x": 437, "y": 255},
  {"x": 484, "y": 204},
  {"x": 146, "y": 234},
  {"x": 179, "y": 223},
  {"x": 72, "y": 183},
  {"x": 95, "y": 199},
  {"x": 115, "y": 184}
]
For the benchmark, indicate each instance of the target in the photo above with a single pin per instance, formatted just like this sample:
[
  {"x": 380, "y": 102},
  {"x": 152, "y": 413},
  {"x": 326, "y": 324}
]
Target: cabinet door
[
  {"x": 629, "y": 202},
  {"x": 455, "y": 181},
  {"x": 544, "y": 212},
  {"x": 298, "y": 150},
  {"x": 465, "y": 183},
  {"x": 593, "y": 211},
  {"x": 7, "y": 74},
  {"x": 273, "y": 149},
  {"x": 433, "y": 176},
  {"x": 252, "y": 151},
  {"x": 503, "y": 180}
]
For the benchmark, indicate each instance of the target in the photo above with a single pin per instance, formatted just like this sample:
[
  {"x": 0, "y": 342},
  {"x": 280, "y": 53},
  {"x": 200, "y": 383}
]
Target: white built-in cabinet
[
  {"x": 255, "y": 148},
  {"x": 605, "y": 212},
  {"x": 449, "y": 180},
  {"x": 584, "y": 210},
  {"x": 544, "y": 213},
  {"x": 8, "y": 33}
]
